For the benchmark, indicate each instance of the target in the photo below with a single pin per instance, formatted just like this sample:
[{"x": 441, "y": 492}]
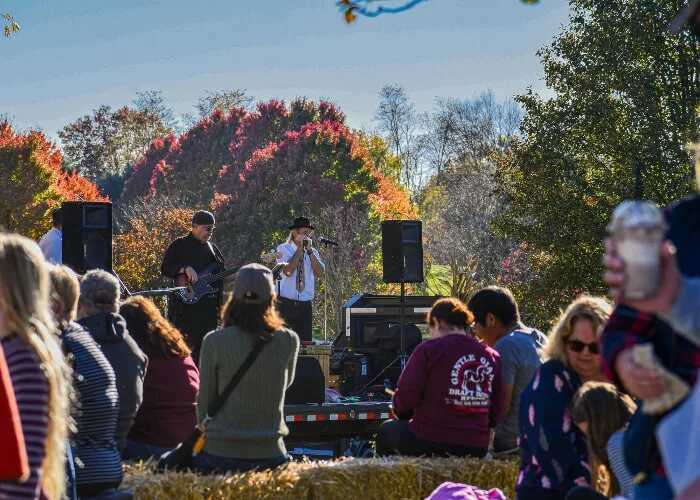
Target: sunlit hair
[
  {"x": 290, "y": 237},
  {"x": 99, "y": 293},
  {"x": 605, "y": 410},
  {"x": 65, "y": 290},
  {"x": 452, "y": 312},
  {"x": 255, "y": 319},
  {"x": 150, "y": 329},
  {"x": 595, "y": 309},
  {"x": 24, "y": 297}
]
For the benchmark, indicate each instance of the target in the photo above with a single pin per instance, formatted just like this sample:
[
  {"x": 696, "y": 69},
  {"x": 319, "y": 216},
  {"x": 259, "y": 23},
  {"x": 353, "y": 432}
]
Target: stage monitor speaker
[
  {"x": 87, "y": 235},
  {"x": 402, "y": 251},
  {"x": 309, "y": 384}
]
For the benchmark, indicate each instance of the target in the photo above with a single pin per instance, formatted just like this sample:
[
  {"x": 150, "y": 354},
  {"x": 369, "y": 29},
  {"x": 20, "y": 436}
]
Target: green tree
[
  {"x": 108, "y": 143},
  {"x": 625, "y": 93}
]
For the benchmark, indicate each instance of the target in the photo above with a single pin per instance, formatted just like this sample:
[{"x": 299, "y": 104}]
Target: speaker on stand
[
  {"x": 87, "y": 235},
  {"x": 402, "y": 262}
]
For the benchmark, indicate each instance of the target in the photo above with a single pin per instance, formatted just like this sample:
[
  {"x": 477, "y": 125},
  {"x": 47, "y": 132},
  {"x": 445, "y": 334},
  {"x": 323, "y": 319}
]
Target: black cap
[{"x": 203, "y": 217}]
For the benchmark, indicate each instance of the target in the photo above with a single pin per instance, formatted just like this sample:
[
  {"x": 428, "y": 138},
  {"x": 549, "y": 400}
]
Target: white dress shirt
[
  {"x": 288, "y": 284},
  {"x": 51, "y": 245}
]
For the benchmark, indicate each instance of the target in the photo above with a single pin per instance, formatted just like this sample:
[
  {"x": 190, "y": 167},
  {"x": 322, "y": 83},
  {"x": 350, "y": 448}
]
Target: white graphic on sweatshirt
[{"x": 471, "y": 380}]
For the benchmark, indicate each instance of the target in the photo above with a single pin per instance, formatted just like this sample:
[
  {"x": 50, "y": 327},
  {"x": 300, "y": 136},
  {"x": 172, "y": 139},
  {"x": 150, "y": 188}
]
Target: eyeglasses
[
  {"x": 209, "y": 228},
  {"x": 578, "y": 346}
]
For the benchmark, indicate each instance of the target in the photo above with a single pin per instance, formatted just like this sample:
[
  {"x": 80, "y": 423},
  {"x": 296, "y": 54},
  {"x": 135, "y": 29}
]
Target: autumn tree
[
  {"x": 157, "y": 222},
  {"x": 33, "y": 182},
  {"x": 625, "y": 94},
  {"x": 398, "y": 120},
  {"x": 307, "y": 171},
  {"x": 108, "y": 142},
  {"x": 222, "y": 100}
]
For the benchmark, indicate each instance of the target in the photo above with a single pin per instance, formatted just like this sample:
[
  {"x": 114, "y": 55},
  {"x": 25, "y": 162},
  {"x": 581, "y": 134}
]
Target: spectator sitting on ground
[
  {"x": 602, "y": 412},
  {"x": 169, "y": 410},
  {"x": 97, "y": 312},
  {"x": 452, "y": 387},
  {"x": 552, "y": 450},
  {"x": 497, "y": 323},
  {"x": 51, "y": 243},
  {"x": 93, "y": 444},
  {"x": 40, "y": 377},
  {"x": 248, "y": 430}
]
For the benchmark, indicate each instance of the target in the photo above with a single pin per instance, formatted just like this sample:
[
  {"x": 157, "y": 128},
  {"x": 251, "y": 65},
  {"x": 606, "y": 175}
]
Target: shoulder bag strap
[{"x": 213, "y": 410}]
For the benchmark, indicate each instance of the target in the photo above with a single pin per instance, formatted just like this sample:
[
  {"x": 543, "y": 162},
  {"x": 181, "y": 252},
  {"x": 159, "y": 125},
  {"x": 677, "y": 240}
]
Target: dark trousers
[
  {"x": 195, "y": 321},
  {"x": 298, "y": 316},
  {"x": 394, "y": 438}
]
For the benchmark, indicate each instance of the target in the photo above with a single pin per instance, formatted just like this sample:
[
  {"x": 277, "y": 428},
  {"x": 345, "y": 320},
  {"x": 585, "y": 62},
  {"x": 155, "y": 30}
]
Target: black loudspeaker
[
  {"x": 402, "y": 251},
  {"x": 87, "y": 235},
  {"x": 309, "y": 384}
]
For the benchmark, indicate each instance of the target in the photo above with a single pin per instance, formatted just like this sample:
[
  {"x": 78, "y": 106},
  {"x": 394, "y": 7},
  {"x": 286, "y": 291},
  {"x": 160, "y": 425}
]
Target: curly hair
[
  {"x": 151, "y": 330},
  {"x": 595, "y": 309}
]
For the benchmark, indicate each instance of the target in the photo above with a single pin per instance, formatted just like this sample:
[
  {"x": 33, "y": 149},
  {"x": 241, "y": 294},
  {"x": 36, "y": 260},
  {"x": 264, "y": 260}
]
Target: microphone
[{"x": 326, "y": 241}]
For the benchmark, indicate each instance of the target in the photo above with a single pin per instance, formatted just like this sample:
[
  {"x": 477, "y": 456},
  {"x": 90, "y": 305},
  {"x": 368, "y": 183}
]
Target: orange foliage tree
[
  {"x": 139, "y": 249},
  {"x": 34, "y": 183}
]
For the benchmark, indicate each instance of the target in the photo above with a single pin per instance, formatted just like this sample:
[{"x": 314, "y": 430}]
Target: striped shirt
[
  {"x": 95, "y": 453},
  {"x": 616, "y": 456},
  {"x": 31, "y": 388}
]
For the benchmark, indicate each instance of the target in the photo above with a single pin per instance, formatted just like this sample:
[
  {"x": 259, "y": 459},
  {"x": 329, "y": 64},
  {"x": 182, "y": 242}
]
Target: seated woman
[
  {"x": 602, "y": 412},
  {"x": 552, "y": 449},
  {"x": 452, "y": 387},
  {"x": 248, "y": 430},
  {"x": 37, "y": 368},
  {"x": 93, "y": 444},
  {"x": 169, "y": 409}
]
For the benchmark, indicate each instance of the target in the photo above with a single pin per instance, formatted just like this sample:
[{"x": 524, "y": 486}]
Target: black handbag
[{"x": 182, "y": 457}]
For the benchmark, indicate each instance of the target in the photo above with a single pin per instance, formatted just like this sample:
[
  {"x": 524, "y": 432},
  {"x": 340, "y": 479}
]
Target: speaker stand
[
  {"x": 402, "y": 327},
  {"x": 402, "y": 357}
]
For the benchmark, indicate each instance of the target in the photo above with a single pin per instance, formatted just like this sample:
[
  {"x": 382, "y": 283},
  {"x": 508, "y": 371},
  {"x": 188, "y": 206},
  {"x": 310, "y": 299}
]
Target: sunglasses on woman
[{"x": 578, "y": 346}]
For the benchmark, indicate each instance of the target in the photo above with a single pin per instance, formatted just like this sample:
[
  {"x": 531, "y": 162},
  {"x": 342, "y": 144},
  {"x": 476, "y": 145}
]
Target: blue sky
[{"x": 71, "y": 56}]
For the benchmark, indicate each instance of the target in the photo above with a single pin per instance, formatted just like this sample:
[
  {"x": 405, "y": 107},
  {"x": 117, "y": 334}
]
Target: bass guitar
[{"x": 192, "y": 292}]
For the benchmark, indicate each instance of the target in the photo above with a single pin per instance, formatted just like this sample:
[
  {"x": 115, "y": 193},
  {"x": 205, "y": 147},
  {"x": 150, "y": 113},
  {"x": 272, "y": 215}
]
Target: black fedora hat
[{"x": 301, "y": 222}]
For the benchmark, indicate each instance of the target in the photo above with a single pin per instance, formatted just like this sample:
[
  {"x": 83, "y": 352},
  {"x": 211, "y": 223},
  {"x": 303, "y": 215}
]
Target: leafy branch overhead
[
  {"x": 374, "y": 8},
  {"x": 11, "y": 25}
]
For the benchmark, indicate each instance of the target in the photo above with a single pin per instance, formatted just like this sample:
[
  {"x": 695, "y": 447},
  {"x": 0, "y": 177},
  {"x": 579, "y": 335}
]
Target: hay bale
[{"x": 366, "y": 479}]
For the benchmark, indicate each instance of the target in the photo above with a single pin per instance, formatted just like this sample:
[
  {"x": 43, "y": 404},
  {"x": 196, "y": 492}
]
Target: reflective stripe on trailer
[{"x": 320, "y": 417}]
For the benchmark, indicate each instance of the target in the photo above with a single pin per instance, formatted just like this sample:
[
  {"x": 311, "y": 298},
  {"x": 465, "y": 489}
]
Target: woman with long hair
[
  {"x": 451, "y": 388},
  {"x": 168, "y": 412},
  {"x": 93, "y": 442},
  {"x": 602, "y": 412},
  {"x": 40, "y": 376},
  {"x": 552, "y": 449},
  {"x": 248, "y": 431}
]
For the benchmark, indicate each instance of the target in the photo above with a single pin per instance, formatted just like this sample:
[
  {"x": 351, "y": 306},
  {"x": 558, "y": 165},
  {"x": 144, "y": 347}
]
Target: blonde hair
[
  {"x": 24, "y": 295},
  {"x": 595, "y": 309},
  {"x": 65, "y": 289}
]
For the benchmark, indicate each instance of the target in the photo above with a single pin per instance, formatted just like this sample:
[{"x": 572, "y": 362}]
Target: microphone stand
[{"x": 325, "y": 304}]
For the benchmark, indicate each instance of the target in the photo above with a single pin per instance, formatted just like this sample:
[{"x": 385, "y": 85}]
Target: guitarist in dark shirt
[{"x": 185, "y": 258}]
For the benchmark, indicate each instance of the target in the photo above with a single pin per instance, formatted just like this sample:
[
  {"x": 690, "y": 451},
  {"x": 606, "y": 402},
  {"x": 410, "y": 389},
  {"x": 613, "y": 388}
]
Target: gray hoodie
[{"x": 128, "y": 361}]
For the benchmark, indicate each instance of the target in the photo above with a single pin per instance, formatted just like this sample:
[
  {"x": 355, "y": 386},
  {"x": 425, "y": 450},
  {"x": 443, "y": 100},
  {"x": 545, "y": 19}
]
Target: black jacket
[{"x": 128, "y": 361}]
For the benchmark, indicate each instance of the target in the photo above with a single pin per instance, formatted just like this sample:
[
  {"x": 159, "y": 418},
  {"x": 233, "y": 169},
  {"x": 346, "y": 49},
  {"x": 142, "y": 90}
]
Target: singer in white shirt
[{"x": 296, "y": 288}]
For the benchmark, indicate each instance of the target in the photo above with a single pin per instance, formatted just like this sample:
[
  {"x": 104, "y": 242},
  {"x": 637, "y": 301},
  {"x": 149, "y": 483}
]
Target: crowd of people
[{"x": 90, "y": 380}]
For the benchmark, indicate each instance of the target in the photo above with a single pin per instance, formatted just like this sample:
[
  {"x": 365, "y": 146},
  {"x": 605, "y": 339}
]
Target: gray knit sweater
[{"x": 250, "y": 424}]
